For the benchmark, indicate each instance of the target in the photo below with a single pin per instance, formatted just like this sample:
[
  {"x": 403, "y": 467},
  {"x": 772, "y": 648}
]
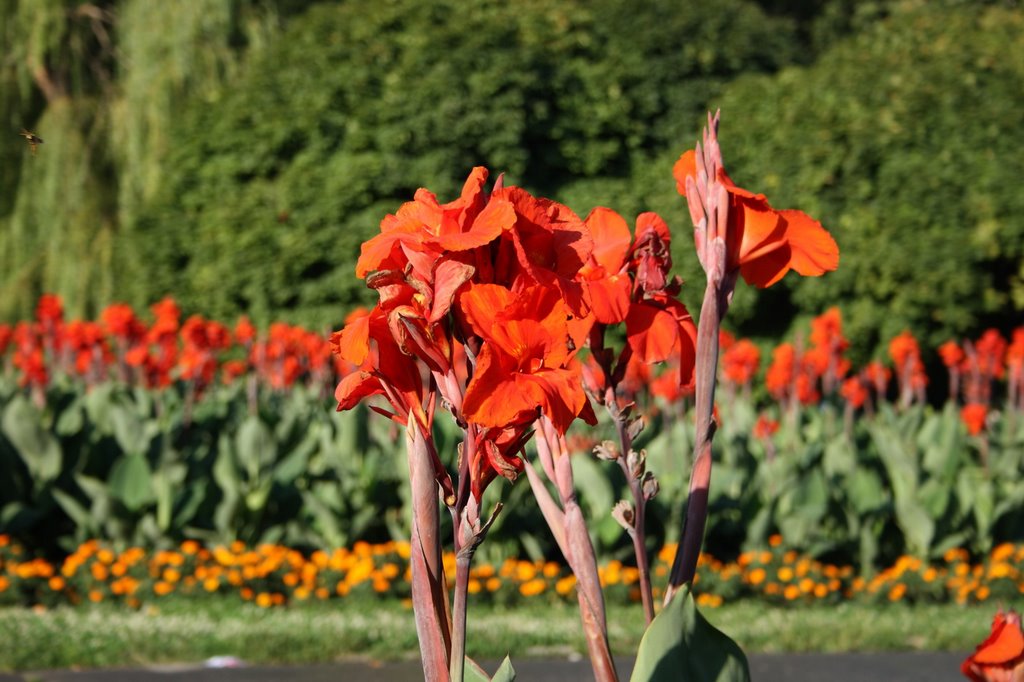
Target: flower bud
[
  {"x": 636, "y": 462},
  {"x": 607, "y": 450},
  {"x": 650, "y": 486}
]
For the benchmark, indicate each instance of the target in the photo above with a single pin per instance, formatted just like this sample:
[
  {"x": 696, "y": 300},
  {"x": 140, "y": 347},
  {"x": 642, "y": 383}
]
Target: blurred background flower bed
[
  {"x": 147, "y": 430},
  {"x": 272, "y": 575}
]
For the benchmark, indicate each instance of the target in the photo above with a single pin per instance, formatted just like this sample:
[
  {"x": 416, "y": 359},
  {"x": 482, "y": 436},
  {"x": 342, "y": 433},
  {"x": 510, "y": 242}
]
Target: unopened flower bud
[
  {"x": 607, "y": 450},
  {"x": 636, "y": 462},
  {"x": 649, "y": 486},
  {"x": 635, "y": 427}
]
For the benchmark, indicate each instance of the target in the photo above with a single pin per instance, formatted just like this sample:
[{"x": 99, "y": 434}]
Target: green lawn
[{"x": 193, "y": 630}]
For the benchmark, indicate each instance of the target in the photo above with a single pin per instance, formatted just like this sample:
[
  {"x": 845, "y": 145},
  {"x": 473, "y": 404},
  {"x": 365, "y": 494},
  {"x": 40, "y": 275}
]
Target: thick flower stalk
[
  {"x": 737, "y": 233},
  {"x": 629, "y": 284}
]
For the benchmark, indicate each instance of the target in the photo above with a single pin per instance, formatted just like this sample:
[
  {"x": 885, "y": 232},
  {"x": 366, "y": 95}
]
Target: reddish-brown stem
[
  {"x": 579, "y": 553},
  {"x": 463, "y": 558},
  {"x": 429, "y": 587},
  {"x": 638, "y": 535},
  {"x": 685, "y": 565},
  {"x": 458, "y": 660}
]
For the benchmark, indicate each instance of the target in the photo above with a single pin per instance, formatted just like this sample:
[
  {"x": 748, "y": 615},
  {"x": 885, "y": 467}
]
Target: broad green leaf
[
  {"x": 917, "y": 526},
  {"x": 505, "y": 672},
  {"x": 129, "y": 430},
  {"x": 131, "y": 482},
  {"x": 255, "y": 446},
  {"x": 40, "y": 451},
  {"x": 71, "y": 420},
  {"x": 680, "y": 645},
  {"x": 865, "y": 491}
]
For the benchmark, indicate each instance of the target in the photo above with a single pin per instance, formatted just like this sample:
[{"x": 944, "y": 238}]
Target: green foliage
[
  {"x": 680, "y": 644},
  {"x": 272, "y": 188},
  {"x": 152, "y": 468},
  {"x": 141, "y": 468},
  {"x": 900, "y": 141}
]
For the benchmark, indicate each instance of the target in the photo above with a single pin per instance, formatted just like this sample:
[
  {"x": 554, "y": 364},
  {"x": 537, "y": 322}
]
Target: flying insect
[{"x": 33, "y": 140}]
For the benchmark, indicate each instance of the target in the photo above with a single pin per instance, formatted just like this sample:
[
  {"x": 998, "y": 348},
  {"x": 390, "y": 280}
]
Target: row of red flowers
[{"x": 121, "y": 345}]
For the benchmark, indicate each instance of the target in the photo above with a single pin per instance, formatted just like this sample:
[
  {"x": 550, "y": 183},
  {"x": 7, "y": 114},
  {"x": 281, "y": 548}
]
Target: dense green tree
[
  {"x": 904, "y": 141},
  {"x": 271, "y": 188}
]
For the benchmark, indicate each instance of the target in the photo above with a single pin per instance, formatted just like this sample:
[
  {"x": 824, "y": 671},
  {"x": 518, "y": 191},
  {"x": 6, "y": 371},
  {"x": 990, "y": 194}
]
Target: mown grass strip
[{"x": 188, "y": 631}]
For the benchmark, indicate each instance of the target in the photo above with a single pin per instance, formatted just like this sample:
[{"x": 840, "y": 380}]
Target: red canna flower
[
  {"x": 120, "y": 322},
  {"x": 973, "y": 416},
  {"x": 526, "y": 366},
  {"x": 854, "y": 392},
  {"x": 952, "y": 354},
  {"x": 763, "y": 244},
  {"x": 1000, "y": 658},
  {"x": 630, "y": 283},
  {"x": 384, "y": 369},
  {"x": 779, "y": 377},
  {"x": 740, "y": 362},
  {"x": 244, "y": 333},
  {"x": 765, "y": 427},
  {"x": 50, "y": 310}
]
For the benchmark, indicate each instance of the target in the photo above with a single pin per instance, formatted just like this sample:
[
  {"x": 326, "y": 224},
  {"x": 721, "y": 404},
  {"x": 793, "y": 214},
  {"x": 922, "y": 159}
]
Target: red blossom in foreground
[
  {"x": 1000, "y": 658},
  {"x": 763, "y": 244}
]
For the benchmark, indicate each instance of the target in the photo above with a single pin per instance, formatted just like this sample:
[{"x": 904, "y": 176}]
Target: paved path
[{"x": 913, "y": 667}]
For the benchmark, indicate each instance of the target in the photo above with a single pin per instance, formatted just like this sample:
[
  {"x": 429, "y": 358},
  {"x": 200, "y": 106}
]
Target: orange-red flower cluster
[
  {"x": 121, "y": 346},
  {"x": 909, "y": 370},
  {"x": 513, "y": 285}
]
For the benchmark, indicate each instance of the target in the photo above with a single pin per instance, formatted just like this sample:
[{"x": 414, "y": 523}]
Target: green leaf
[
  {"x": 474, "y": 673},
  {"x": 79, "y": 514},
  {"x": 131, "y": 482},
  {"x": 505, "y": 672},
  {"x": 71, "y": 420},
  {"x": 255, "y": 446},
  {"x": 23, "y": 425},
  {"x": 681, "y": 644},
  {"x": 129, "y": 430}
]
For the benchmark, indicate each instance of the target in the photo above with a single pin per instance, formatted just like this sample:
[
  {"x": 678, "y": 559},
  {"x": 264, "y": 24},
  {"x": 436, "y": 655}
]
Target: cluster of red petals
[
  {"x": 120, "y": 345},
  {"x": 489, "y": 279},
  {"x": 511, "y": 285},
  {"x": 527, "y": 362},
  {"x": 1000, "y": 658},
  {"x": 792, "y": 376},
  {"x": 982, "y": 362},
  {"x": 765, "y": 427},
  {"x": 763, "y": 243},
  {"x": 628, "y": 279},
  {"x": 973, "y": 416},
  {"x": 740, "y": 362},
  {"x": 907, "y": 365}
]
